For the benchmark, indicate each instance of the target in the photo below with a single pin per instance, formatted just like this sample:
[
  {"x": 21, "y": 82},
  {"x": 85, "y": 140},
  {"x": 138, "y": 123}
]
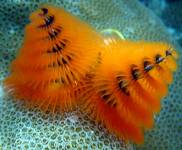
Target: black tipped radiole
[
  {"x": 123, "y": 86},
  {"x": 147, "y": 65},
  {"x": 53, "y": 33},
  {"x": 48, "y": 22},
  {"x": 44, "y": 10},
  {"x": 168, "y": 53},
  {"x": 135, "y": 72},
  {"x": 158, "y": 59}
]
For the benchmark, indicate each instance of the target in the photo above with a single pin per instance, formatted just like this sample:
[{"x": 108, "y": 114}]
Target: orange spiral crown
[
  {"x": 57, "y": 52},
  {"x": 125, "y": 90}
]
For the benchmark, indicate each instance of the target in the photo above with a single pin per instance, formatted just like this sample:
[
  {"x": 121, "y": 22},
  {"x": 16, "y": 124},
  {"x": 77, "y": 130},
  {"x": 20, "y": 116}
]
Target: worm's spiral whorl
[
  {"x": 57, "y": 52},
  {"x": 125, "y": 91}
]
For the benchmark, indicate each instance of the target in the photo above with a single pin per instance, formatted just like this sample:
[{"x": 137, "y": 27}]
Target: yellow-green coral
[{"x": 30, "y": 129}]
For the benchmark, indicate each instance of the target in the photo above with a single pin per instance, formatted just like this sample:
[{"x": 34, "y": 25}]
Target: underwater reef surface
[
  {"x": 170, "y": 12},
  {"x": 22, "y": 128}
]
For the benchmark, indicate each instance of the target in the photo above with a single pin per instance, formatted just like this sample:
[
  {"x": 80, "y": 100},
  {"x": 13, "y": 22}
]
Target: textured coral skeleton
[
  {"x": 133, "y": 21},
  {"x": 65, "y": 58}
]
